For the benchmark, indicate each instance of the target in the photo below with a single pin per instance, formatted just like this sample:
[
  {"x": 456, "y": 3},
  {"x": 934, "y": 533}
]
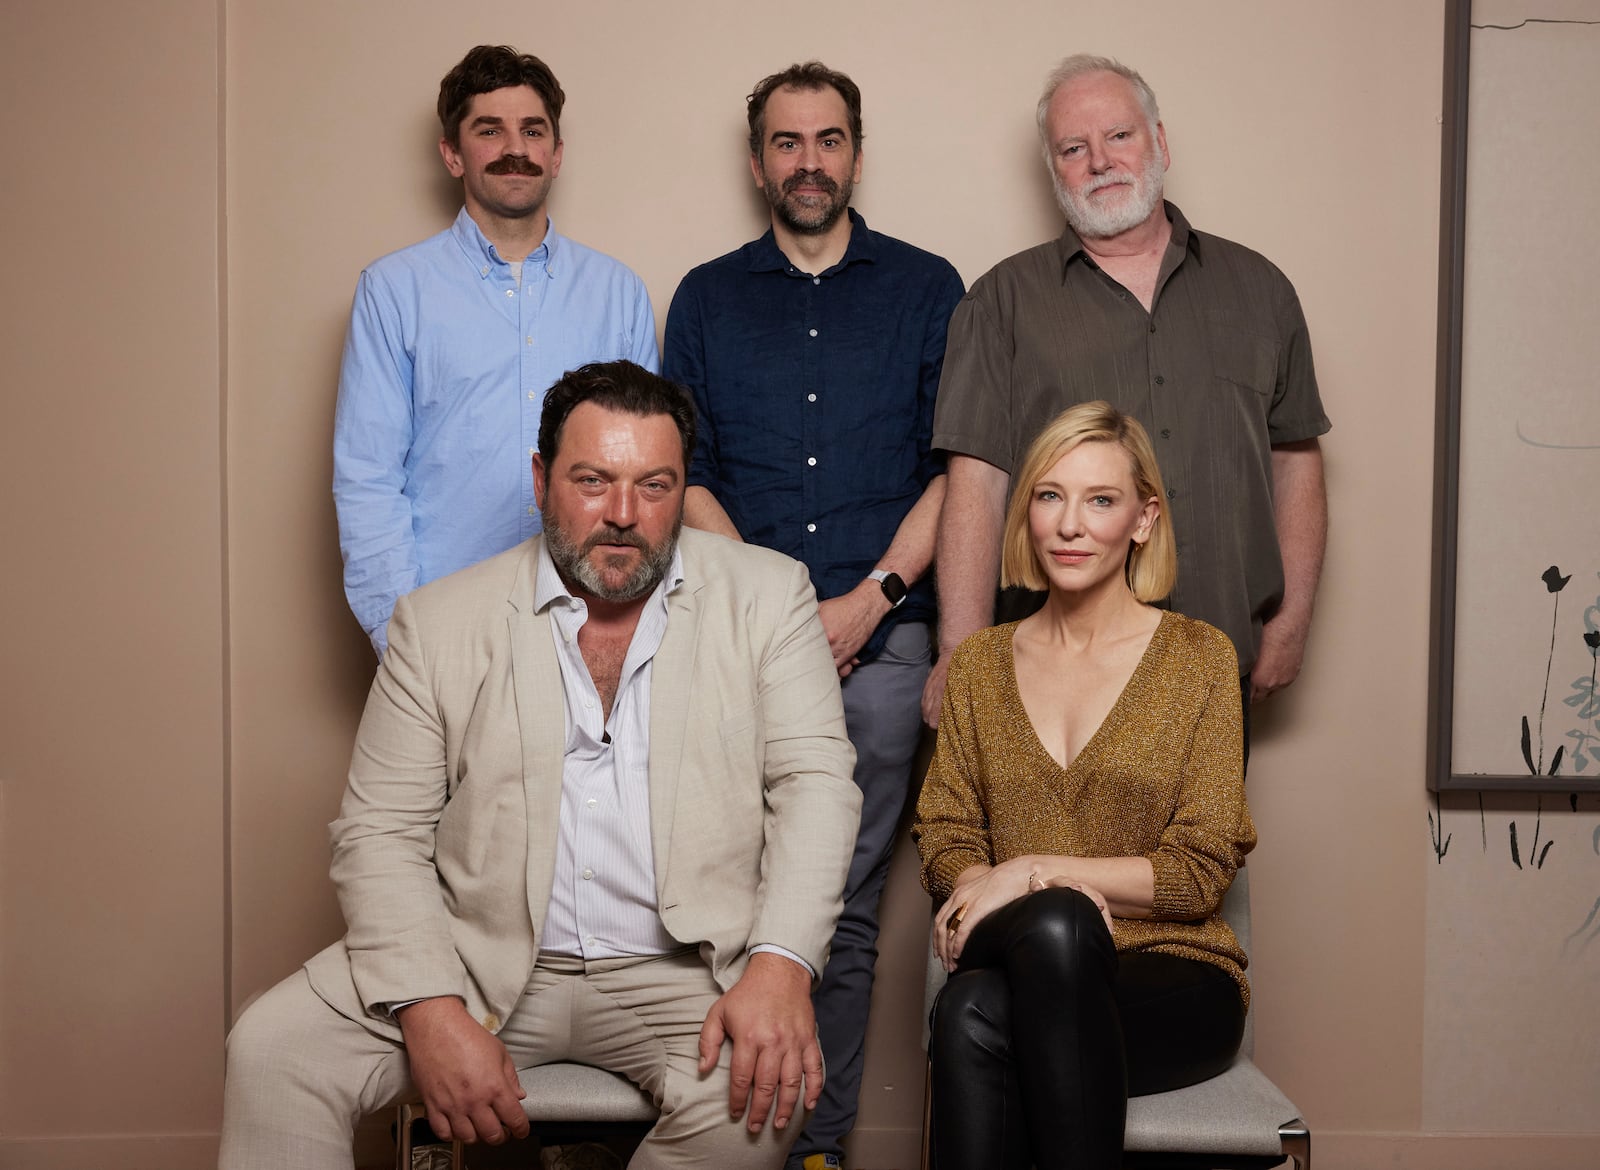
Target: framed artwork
[{"x": 1516, "y": 540}]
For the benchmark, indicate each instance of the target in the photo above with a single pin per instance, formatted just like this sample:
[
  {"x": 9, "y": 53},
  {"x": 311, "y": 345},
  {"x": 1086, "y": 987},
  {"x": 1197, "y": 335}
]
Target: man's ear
[
  {"x": 755, "y": 172},
  {"x": 540, "y": 481},
  {"x": 452, "y": 158}
]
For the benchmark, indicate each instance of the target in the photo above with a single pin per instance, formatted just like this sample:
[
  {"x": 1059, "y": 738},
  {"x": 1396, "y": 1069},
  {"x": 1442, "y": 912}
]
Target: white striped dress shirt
[{"x": 603, "y": 902}]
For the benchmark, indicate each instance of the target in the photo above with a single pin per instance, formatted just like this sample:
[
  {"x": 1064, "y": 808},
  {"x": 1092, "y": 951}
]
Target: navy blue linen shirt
[{"x": 816, "y": 395}]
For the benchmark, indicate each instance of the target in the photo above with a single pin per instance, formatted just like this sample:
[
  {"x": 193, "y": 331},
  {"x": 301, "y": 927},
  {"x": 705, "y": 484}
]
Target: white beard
[{"x": 1095, "y": 222}]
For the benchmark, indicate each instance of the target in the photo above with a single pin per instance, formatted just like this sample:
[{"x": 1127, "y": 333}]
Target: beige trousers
[{"x": 301, "y": 1076}]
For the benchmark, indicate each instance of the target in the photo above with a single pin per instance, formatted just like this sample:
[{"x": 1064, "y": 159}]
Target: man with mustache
[
  {"x": 1199, "y": 338},
  {"x": 814, "y": 355},
  {"x": 599, "y": 810},
  {"x": 454, "y": 341}
]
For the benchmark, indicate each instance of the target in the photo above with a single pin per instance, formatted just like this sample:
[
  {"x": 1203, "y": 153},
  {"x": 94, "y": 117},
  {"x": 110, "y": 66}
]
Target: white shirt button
[
  {"x": 511, "y": 292},
  {"x": 533, "y": 450},
  {"x": 530, "y": 342},
  {"x": 531, "y": 509},
  {"x": 813, "y": 333},
  {"x": 816, "y": 280},
  {"x": 811, "y": 527},
  {"x": 593, "y": 803},
  {"x": 809, "y": 397},
  {"x": 811, "y": 462},
  {"x": 484, "y": 271},
  {"x": 532, "y": 396},
  {"x": 588, "y": 875}
]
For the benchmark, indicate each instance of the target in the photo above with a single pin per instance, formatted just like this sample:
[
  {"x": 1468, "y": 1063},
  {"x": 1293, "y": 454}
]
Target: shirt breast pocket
[{"x": 1242, "y": 357}]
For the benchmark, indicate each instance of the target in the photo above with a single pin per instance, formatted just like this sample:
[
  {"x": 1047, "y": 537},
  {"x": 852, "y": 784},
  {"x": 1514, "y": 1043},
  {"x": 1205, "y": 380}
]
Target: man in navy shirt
[{"x": 814, "y": 356}]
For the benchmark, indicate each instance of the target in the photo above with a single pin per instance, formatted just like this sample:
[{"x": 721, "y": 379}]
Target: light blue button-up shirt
[{"x": 445, "y": 369}]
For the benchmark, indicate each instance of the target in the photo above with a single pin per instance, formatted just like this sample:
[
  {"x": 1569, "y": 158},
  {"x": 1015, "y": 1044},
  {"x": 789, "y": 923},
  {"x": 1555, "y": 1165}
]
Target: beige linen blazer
[{"x": 444, "y": 851}]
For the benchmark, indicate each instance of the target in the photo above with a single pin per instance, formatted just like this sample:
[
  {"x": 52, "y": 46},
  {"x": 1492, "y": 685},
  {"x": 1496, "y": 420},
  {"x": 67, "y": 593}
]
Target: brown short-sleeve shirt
[{"x": 1218, "y": 373}]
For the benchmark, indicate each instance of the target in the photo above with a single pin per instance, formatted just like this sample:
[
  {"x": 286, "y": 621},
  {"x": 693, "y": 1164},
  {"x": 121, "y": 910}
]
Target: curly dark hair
[{"x": 487, "y": 68}]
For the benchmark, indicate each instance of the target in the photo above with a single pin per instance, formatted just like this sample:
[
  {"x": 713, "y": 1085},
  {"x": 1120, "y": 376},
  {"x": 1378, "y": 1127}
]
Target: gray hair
[{"x": 1079, "y": 64}]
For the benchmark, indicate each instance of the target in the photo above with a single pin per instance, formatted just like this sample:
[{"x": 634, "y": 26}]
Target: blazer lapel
[
  {"x": 671, "y": 686},
  {"x": 541, "y": 719}
]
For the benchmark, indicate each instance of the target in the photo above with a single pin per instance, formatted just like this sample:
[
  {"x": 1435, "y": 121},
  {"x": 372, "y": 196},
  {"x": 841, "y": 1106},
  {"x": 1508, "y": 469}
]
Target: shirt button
[
  {"x": 589, "y": 942},
  {"x": 1172, "y": 493},
  {"x": 592, "y": 802},
  {"x": 511, "y": 292},
  {"x": 1165, "y": 433},
  {"x": 813, "y": 333},
  {"x": 816, "y": 280},
  {"x": 811, "y": 527},
  {"x": 530, "y": 342},
  {"x": 533, "y": 450},
  {"x": 588, "y": 875},
  {"x": 530, "y": 509},
  {"x": 484, "y": 271},
  {"x": 811, "y": 462},
  {"x": 531, "y": 396},
  {"x": 1160, "y": 381},
  {"x": 588, "y": 704},
  {"x": 811, "y": 397}
]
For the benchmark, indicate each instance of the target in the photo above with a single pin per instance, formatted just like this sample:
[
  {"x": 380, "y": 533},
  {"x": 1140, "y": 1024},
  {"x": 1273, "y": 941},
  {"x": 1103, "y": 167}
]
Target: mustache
[
  {"x": 608, "y": 534},
  {"x": 514, "y": 164},
  {"x": 1110, "y": 179},
  {"x": 816, "y": 179}
]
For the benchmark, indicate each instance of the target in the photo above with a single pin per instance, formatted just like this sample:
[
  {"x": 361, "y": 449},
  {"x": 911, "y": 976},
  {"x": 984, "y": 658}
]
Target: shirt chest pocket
[{"x": 1242, "y": 357}]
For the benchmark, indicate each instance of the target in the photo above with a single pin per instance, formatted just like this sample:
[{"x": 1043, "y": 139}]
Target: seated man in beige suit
[{"x": 599, "y": 809}]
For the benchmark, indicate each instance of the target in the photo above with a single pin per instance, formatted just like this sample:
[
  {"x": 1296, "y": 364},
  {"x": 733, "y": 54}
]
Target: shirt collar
[
  {"x": 549, "y": 588},
  {"x": 1184, "y": 238},
  {"x": 766, "y": 256},
  {"x": 484, "y": 256}
]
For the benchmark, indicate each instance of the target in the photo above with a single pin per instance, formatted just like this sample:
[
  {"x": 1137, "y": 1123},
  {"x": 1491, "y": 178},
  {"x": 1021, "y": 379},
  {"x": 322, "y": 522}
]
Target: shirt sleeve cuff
[{"x": 771, "y": 949}]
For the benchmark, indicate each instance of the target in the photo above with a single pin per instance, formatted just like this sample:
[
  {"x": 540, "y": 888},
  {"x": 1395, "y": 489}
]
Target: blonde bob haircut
[{"x": 1152, "y": 568}]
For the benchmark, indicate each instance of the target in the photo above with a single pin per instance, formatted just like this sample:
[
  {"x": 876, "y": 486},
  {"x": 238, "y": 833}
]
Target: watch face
[{"x": 893, "y": 588}]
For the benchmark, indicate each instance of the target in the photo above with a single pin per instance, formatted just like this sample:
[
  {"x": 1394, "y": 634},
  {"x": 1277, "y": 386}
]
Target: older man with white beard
[{"x": 1201, "y": 339}]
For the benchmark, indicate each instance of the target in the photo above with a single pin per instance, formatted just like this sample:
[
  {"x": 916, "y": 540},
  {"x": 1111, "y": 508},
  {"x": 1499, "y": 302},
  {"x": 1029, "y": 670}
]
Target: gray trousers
[{"x": 883, "y": 715}]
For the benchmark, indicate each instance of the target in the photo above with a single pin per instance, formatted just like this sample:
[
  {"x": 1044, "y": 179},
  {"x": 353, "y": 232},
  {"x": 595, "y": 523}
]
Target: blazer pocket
[
  {"x": 743, "y": 750},
  {"x": 466, "y": 828}
]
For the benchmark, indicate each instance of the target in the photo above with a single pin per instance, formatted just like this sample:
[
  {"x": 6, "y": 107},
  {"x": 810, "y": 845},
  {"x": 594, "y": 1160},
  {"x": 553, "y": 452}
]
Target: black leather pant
[{"x": 1042, "y": 1034}]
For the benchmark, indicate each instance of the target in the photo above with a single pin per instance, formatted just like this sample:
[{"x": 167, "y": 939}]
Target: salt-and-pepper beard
[{"x": 572, "y": 560}]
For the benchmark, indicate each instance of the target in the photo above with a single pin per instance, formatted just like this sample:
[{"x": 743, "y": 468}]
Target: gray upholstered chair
[
  {"x": 559, "y": 1095},
  {"x": 1236, "y": 1121}
]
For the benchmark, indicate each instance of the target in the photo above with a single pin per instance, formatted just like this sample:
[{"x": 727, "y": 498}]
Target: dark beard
[
  {"x": 572, "y": 561},
  {"x": 811, "y": 225}
]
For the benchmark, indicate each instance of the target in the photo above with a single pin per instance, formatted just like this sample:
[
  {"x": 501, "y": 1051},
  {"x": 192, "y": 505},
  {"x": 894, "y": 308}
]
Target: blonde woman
[{"x": 1083, "y": 816}]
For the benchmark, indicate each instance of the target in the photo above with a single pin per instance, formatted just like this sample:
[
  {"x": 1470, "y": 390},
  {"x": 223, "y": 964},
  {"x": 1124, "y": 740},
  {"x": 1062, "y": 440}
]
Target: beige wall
[
  {"x": 112, "y": 753},
  {"x": 194, "y": 700}
]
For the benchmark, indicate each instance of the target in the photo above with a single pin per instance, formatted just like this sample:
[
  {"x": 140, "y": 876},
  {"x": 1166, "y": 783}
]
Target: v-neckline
[{"x": 1112, "y": 717}]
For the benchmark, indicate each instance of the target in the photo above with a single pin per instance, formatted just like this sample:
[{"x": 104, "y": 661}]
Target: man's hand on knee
[
  {"x": 767, "y": 1016},
  {"x": 464, "y": 1073}
]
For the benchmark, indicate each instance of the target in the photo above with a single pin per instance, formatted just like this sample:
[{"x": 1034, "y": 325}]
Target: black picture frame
[{"x": 1442, "y": 775}]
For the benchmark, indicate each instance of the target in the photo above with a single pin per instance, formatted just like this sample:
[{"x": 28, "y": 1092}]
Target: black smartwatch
[{"x": 893, "y": 588}]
